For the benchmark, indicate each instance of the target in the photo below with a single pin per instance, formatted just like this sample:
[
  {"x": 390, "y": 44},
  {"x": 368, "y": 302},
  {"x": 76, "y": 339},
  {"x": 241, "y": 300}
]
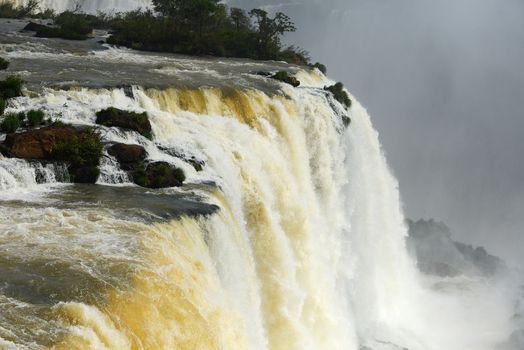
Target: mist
[{"x": 443, "y": 82}]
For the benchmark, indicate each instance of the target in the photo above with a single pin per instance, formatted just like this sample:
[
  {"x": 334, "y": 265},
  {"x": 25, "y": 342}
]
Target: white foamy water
[{"x": 307, "y": 250}]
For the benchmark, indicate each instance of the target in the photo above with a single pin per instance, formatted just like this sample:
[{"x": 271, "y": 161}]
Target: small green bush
[
  {"x": 3, "y": 104},
  {"x": 10, "y": 123},
  {"x": 21, "y": 116},
  {"x": 339, "y": 94},
  {"x": 11, "y": 87},
  {"x": 138, "y": 122},
  {"x": 62, "y": 33},
  {"x": 35, "y": 117},
  {"x": 320, "y": 67},
  {"x": 179, "y": 175},
  {"x": 282, "y": 76},
  {"x": 3, "y": 63},
  {"x": 85, "y": 150}
]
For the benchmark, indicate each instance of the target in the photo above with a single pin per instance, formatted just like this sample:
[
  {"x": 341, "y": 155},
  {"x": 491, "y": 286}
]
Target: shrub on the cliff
[
  {"x": 158, "y": 175},
  {"x": 3, "y": 63},
  {"x": 84, "y": 150},
  {"x": 138, "y": 122},
  {"x": 35, "y": 117},
  {"x": 10, "y": 123},
  {"x": 11, "y": 87},
  {"x": 320, "y": 67},
  {"x": 339, "y": 94},
  {"x": 284, "y": 77}
]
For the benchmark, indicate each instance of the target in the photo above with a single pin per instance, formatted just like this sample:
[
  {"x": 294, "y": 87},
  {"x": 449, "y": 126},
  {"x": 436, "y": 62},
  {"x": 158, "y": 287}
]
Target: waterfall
[{"x": 306, "y": 251}]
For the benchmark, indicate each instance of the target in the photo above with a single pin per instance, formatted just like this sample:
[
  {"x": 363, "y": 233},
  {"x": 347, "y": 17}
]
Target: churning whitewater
[{"x": 291, "y": 237}]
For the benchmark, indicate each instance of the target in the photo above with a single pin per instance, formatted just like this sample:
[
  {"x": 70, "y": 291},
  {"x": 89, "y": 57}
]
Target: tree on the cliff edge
[
  {"x": 191, "y": 14},
  {"x": 270, "y": 30}
]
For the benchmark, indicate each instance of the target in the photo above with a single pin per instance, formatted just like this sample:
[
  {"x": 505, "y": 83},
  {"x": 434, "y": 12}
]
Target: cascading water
[{"x": 302, "y": 245}]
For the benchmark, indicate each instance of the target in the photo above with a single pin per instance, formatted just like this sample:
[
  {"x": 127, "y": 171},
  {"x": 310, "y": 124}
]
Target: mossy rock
[
  {"x": 4, "y": 64},
  {"x": 62, "y": 33},
  {"x": 114, "y": 117},
  {"x": 339, "y": 94},
  {"x": 158, "y": 175},
  {"x": 34, "y": 27},
  {"x": 84, "y": 175},
  {"x": 320, "y": 67},
  {"x": 129, "y": 156},
  {"x": 284, "y": 77}
]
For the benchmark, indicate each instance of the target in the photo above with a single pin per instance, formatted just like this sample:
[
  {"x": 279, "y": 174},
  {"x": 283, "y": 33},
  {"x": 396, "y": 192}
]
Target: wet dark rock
[
  {"x": 198, "y": 164},
  {"x": 127, "y": 154},
  {"x": 284, "y": 77},
  {"x": 158, "y": 175},
  {"x": 114, "y": 117},
  {"x": 85, "y": 175},
  {"x": 80, "y": 149},
  {"x": 34, "y": 27}
]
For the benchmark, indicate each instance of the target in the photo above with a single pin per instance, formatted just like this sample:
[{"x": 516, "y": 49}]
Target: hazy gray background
[{"x": 444, "y": 83}]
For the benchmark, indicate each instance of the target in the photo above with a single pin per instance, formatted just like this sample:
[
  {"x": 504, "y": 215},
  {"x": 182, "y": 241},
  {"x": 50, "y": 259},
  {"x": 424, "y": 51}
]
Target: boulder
[
  {"x": 158, "y": 175},
  {"x": 80, "y": 149},
  {"x": 38, "y": 143},
  {"x": 138, "y": 122},
  {"x": 34, "y": 27},
  {"x": 284, "y": 77},
  {"x": 127, "y": 154}
]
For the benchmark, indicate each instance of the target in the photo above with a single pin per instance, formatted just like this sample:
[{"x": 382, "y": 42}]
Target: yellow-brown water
[{"x": 292, "y": 236}]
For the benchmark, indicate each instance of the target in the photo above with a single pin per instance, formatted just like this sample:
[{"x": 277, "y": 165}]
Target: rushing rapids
[{"x": 292, "y": 236}]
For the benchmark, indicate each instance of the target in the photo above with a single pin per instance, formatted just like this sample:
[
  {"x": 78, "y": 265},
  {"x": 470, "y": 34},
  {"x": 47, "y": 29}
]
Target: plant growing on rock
[
  {"x": 339, "y": 94},
  {"x": 320, "y": 67},
  {"x": 10, "y": 123},
  {"x": 284, "y": 77},
  {"x": 3, "y": 63},
  {"x": 35, "y": 117},
  {"x": 11, "y": 87},
  {"x": 84, "y": 149},
  {"x": 138, "y": 122}
]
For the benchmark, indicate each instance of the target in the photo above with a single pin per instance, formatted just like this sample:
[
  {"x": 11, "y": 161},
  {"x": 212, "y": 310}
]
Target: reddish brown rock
[
  {"x": 38, "y": 143},
  {"x": 127, "y": 153}
]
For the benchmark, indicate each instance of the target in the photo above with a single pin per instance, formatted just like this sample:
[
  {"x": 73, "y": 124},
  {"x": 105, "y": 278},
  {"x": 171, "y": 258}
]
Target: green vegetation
[
  {"x": 206, "y": 27},
  {"x": 320, "y": 67},
  {"x": 198, "y": 27},
  {"x": 8, "y": 10},
  {"x": 339, "y": 94},
  {"x": 3, "y": 105},
  {"x": 179, "y": 174},
  {"x": 84, "y": 150},
  {"x": 3, "y": 63},
  {"x": 11, "y": 87},
  {"x": 10, "y": 123},
  {"x": 158, "y": 175},
  {"x": 138, "y": 122},
  {"x": 284, "y": 77},
  {"x": 35, "y": 117}
]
